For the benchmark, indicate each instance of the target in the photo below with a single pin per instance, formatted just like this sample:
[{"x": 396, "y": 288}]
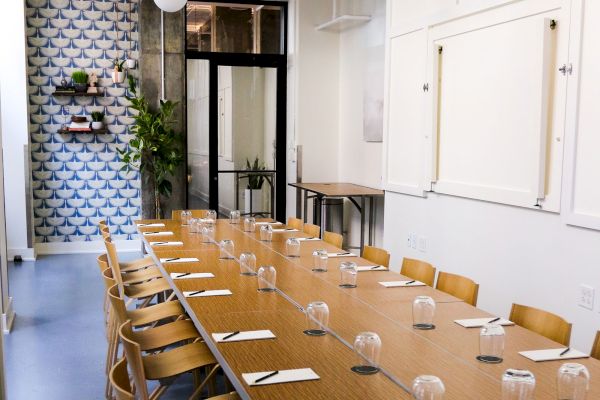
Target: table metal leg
[
  {"x": 362, "y": 223},
  {"x": 305, "y": 205},
  {"x": 371, "y": 219}
]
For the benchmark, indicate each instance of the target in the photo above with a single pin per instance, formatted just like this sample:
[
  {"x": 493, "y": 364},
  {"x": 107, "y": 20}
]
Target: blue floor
[{"x": 57, "y": 347}]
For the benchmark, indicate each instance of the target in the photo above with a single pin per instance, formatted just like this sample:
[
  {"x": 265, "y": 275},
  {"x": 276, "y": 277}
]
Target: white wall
[{"x": 15, "y": 129}]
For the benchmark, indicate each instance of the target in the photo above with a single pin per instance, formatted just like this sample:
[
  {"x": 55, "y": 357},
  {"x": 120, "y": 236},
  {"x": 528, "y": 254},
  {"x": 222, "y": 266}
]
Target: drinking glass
[
  {"x": 517, "y": 384},
  {"x": 573, "y": 381},
  {"x": 428, "y": 387},
  {"x": 266, "y": 233},
  {"x": 292, "y": 247},
  {"x": 211, "y": 215},
  {"x": 266, "y": 278},
  {"x": 234, "y": 217},
  {"x": 185, "y": 217},
  {"x": 226, "y": 249},
  {"x": 317, "y": 318},
  {"x": 249, "y": 224},
  {"x": 423, "y": 310},
  {"x": 208, "y": 232},
  {"x": 348, "y": 273},
  {"x": 367, "y": 347},
  {"x": 248, "y": 264},
  {"x": 320, "y": 258},
  {"x": 491, "y": 343},
  {"x": 194, "y": 226}
]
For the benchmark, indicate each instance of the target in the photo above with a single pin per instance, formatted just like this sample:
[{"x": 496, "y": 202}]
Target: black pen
[
  {"x": 376, "y": 266},
  {"x": 172, "y": 259},
  {"x": 158, "y": 243},
  {"x": 182, "y": 275},
  {"x": 409, "y": 282},
  {"x": 230, "y": 335},
  {"x": 266, "y": 376},
  {"x": 344, "y": 254},
  {"x": 494, "y": 320},
  {"x": 195, "y": 293},
  {"x": 565, "y": 351}
]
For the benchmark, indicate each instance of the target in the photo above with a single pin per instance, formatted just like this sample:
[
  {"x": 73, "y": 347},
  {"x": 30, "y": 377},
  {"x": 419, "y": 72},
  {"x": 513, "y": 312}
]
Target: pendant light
[{"x": 170, "y": 5}]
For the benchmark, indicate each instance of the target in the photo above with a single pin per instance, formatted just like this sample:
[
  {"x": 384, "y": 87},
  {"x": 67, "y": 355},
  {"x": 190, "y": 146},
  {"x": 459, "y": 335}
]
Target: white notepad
[
  {"x": 343, "y": 254},
  {"x": 153, "y": 225},
  {"x": 364, "y": 268},
  {"x": 552, "y": 354},
  {"x": 166, "y": 233},
  {"x": 244, "y": 335},
  {"x": 285, "y": 230},
  {"x": 308, "y": 239},
  {"x": 208, "y": 293},
  {"x": 390, "y": 284},
  {"x": 268, "y": 223},
  {"x": 288, "y": 375},
  {"x": 193, "y": 275},
  {"x": 479, "y": 322},
  {"x": 178, "y": 260},
  {"x": 166, "y": 243}
]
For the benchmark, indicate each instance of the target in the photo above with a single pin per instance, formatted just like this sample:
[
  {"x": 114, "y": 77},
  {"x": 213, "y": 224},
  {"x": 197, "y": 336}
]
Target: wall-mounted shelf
[
  {"x": 94, "y": 131},
  {"x": 77, "y": 94},
  {"x": 344, "y": 22}
]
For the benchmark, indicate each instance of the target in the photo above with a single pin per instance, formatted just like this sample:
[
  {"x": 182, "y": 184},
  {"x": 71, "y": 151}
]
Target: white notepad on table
[
  {"x": 552, "y": 354},
  {"x": 479, "y": 322},
  {"x": 308, "y": 239},
  {"x": 284, "y": 230},
  {"x": 342, "y": 254},
  {"x": 268, "y": 223},
  {"x": 288, "y": 375},
  {"x": 178, "y": 259},
  {"x": 208, "y": 293},
  {"x": 364, "y": 268},
  {"x": 153, "y": 225},
  {"x": 165, "y": 233},
  {"x": 244, "y": 335},
  {"x": 391, "y": 284},
  {"x": 193, "y": 275},
  {"x": 166, "y": 243}
]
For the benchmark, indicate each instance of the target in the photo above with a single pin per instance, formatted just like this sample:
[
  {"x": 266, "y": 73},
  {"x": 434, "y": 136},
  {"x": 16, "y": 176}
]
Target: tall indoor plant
[
  {"x": 255, "y": 183},
  {"x": 156, "y": 147}
]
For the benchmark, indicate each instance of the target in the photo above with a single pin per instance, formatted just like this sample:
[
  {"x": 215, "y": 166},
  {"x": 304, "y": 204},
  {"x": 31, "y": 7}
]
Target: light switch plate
[{"x": 586, "y": 297}]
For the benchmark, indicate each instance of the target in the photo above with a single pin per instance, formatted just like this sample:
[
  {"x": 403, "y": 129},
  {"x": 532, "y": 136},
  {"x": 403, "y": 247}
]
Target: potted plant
[
  {"x": 130, "y": 63},
  {"x": 118, "y": 75},
  {"x": 155, "y": 149},
  {"x": 255, "y": 183},
  {"x": 79, "y": 79},
  {"x": 97, "y": 118}
]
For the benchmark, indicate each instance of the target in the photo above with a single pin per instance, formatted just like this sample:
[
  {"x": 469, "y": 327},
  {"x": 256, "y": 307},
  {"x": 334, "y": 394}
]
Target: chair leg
[{"x": 209, "y": 378}]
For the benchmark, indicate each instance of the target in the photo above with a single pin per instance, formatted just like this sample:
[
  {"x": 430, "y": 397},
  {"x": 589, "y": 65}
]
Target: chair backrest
[
  {"x": 119, "y": 379},
  {"x": 105, "y": 231},
  {"x": 118, "y": 304},
  {"x": 295, "y": 223},
  {"x": 334, "y": 239},
  {"x": 107, "y": 274},
  {"x": 102, "y": 261},
  {"x": 376, "y": 255},
  {"x": 312, "y": 230},
  {"x": 133, "y": 354},
  {"x": 458, "y": 286},
  {"x": 113, "y": 261},
  {"x": 543, "y": 322},
  {"x": 419, "y": 270},
  {"x": 596, "y": 347},
  {"x": 176, "y": 214}
]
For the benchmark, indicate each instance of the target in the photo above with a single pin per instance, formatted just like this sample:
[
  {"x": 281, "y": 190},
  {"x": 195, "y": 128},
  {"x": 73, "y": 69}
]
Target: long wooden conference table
[{"x": 447, "y": 352}]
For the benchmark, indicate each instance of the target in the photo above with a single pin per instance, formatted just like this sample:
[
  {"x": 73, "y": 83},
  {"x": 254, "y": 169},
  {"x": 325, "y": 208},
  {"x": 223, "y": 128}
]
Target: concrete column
[{"x": 150, "y": 85}]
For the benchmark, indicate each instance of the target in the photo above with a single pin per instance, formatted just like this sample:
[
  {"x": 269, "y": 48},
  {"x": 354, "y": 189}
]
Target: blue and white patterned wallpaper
[{"x": 77, "y": 178}]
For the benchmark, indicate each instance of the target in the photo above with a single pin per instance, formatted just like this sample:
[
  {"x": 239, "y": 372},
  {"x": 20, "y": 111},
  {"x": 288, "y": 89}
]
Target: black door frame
[{"x": 278, "y": 61}]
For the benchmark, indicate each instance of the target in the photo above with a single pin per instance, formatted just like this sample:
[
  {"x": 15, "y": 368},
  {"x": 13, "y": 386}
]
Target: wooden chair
[
  {"x": 295, "y": 223},
  {"x": 160, "y": 366},
  {"x": 130, "y": 266},
  {"x": 334, "y": 239},
  {"x": 458, "y": 286},
  {"x": 176, "y": 214},
  {"x": 419, "y": 270},
  {"x": 312, "y": 230},
  {"x": 376, "y": 255},
  {"x": 596, "y": 347},
  {"x": 119, "y": 380},
  {"x": 543, "y": 322}
]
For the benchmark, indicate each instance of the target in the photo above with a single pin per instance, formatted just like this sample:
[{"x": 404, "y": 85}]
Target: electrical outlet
[
  {"x": 422, "y": 244},
  {"x": 586, "y": 297},
  {"x": 413, "y": 240}
]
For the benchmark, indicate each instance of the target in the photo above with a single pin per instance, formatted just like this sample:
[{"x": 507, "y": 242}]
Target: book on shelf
[{"x": 80, "y": 127}]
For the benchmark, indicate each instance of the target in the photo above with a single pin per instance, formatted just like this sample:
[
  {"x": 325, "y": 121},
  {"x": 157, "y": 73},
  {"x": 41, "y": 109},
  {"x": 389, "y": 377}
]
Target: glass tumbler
[
  {"x": 348, "y": 274},
  {"x": 208, "y": 232},
  {"x": 234, "y": 217},
  {"x": 423, "y": 309},
  {"x": 367, "y": 347},
  {"x": 226, "y": 247},
  {"x": 248, "y": 264},
  {"x": 491, "y": 343},
  {"x": 317, "y": 318},
  {"x": 193, "y": 223},
  {"x": 266, "y": 278},
  {"x": 428, "y": 387},
  {"x": 185, "y": 217},
  {"x": 266, "y": 233},
  {"x": 211, "y": 215},
  {"x": 517, "y": 384},
  {"x": 292, "y": 247},
  {"x": 249, "y": 224},
  {"x": 573, "y": 381},
  {"x": 320, "y": 259}
]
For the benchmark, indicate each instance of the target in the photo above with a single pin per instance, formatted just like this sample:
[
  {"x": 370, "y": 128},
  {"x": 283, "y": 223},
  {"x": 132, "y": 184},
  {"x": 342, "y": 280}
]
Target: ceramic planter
[{"x": 118, "y": 76}]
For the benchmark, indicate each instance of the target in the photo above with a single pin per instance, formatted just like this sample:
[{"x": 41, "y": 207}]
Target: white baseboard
[
  {"x": 96, "y": 246},
  {"x": 8, "y": 317},
  {"x": 27, "y": 254}
]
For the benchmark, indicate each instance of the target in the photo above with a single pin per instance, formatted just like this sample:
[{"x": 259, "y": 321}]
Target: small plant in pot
[
  {"x": 118, "y": 74},
  {"x": 97, "y": 118},
  {"x": 80, "y": 80},
  {"x": 255, "y": 183}
]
